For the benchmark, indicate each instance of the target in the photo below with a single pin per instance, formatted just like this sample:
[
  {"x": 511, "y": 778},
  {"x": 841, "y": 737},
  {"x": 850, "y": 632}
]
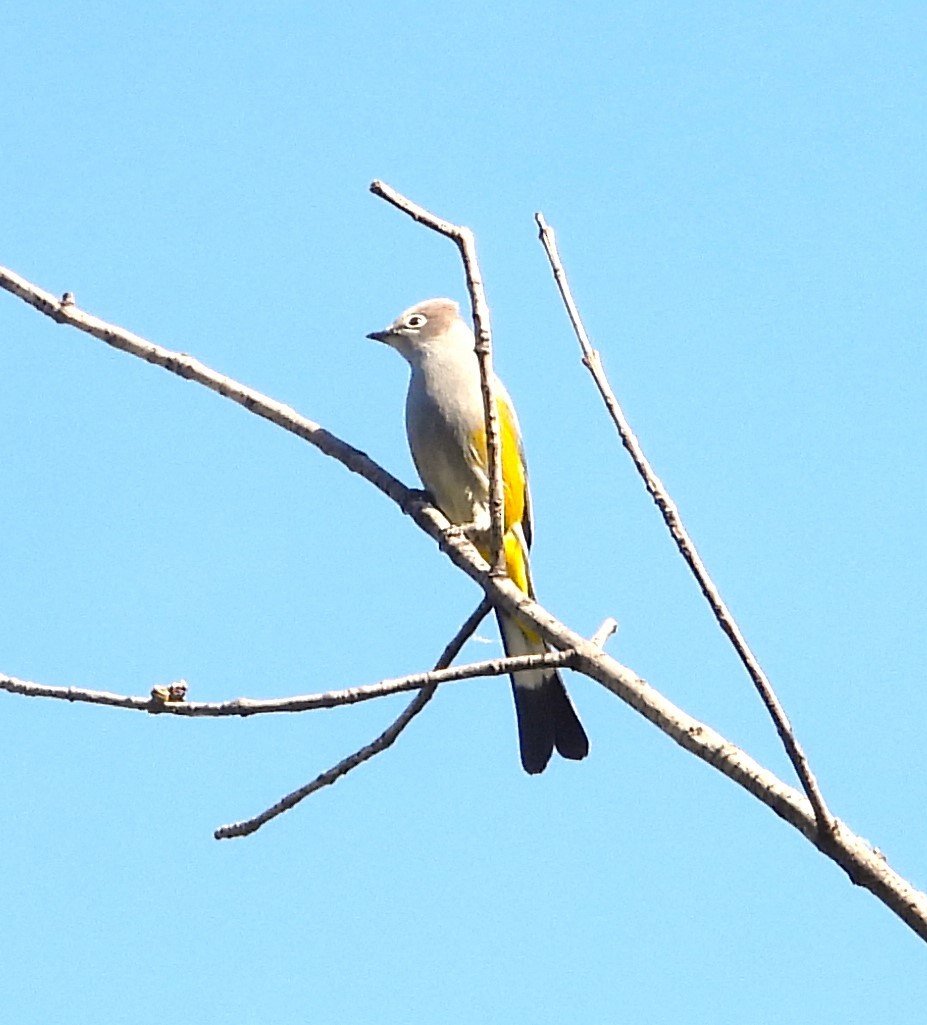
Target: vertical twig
[
  {"x": 466, "y": 244},
  {"x": 683, "y": 541}
]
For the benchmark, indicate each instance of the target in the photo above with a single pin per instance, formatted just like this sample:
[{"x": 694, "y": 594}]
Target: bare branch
[
  {"x": 160, "y": 703},
  {"x": 865, "y": 866},
  {"x": 79, "y": 694},
  {"x": 381, "y": 743},
  {"x": 684, "y": 542},
  {"x": 65, "y": 312},
  {"x": 466, "y": 243}
]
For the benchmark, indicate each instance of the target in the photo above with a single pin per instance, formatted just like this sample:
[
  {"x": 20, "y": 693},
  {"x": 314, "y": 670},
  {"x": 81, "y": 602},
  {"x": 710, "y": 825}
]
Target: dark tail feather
[
  {"x": 569, "y": 736},
  {"x": 535, "y": 727},
  {"x": 547, "y": 719}
]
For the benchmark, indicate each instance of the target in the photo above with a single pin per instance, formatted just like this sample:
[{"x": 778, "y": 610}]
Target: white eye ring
[{"x": 416, "y": 320}]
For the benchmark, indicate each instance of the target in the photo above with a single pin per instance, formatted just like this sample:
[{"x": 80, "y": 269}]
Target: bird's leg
[{"x": 417, "y": 497}]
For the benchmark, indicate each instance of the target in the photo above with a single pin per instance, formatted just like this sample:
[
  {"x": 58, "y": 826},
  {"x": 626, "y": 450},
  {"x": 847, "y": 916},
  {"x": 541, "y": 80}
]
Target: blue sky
[{"x": 738, "y": 191}]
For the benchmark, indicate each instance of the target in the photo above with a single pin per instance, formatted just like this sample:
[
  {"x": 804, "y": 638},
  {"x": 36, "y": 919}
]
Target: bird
[{"x": 446, "y": 430}]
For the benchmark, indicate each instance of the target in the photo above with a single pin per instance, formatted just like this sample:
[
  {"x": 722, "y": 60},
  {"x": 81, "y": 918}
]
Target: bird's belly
[{"x": 442, "y": 456}]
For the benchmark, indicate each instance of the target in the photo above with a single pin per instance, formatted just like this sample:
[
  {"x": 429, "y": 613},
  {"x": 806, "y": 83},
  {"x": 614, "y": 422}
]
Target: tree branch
[
  {"x": 381, "y": 743},
  {"x": 865, "y": 866},
  {"x": 160, "y": 704},
  {"x": 684, "y": 542}
]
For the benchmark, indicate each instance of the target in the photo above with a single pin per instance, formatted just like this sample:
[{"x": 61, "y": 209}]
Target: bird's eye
[{"x": 416, "y": 320}]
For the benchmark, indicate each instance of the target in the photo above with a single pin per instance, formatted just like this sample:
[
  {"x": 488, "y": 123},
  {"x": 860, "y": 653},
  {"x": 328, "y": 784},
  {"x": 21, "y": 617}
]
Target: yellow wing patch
[
  {"x": 515, "y": 486},
  {"x": 514, "y": 478},
  {"x": 516, "y": 565}
]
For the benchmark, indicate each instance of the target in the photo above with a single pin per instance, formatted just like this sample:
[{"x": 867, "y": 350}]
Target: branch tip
[{"x": 608, "y": 627}]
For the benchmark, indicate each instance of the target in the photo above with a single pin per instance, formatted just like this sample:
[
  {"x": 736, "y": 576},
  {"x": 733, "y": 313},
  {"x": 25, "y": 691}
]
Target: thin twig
[
  {"x": 466, "y": 243},
  {"x": 683, "y": 541},
  {"x": 299, "y": 703},
  {"x": 381, "y": 743}
]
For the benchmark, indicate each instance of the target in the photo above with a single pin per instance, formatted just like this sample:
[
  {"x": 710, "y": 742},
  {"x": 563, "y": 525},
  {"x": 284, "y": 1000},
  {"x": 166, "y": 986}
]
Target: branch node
[{"x": 166, "y": 694}]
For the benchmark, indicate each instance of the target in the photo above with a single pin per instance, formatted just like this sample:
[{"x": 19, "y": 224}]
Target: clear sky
[{"x": 739, "y": 194}]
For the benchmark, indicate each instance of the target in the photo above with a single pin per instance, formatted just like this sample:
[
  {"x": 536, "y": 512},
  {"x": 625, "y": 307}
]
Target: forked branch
[{"x": 865, "y": 866}]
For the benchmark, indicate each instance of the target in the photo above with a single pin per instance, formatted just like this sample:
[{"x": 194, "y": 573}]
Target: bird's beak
[{"x": 379, "y": 336}]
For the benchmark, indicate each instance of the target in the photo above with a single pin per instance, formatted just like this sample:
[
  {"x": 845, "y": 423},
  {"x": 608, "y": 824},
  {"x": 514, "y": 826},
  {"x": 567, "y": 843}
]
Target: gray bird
[{"x": 447, "y": 435}]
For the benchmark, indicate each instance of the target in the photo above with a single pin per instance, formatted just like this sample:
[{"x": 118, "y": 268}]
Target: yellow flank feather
[
  {"x": 513, "y": 469},
  {"x": 515, "y": 562},
  {"x": 517, "y": 568},
  {"x": 515, "y": 487}
]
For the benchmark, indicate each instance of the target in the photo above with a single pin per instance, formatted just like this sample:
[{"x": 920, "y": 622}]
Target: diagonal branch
[
  {"x": 466, "y": 243},
  {"x": 64, "y": 311},
  {"x": 684, "y": 542},
  {"x": 381, "y": 743}
]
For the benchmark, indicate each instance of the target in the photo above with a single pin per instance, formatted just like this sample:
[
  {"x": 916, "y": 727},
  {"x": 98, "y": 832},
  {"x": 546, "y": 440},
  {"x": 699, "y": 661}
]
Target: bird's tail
[{"x": 546, "y": 717}]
